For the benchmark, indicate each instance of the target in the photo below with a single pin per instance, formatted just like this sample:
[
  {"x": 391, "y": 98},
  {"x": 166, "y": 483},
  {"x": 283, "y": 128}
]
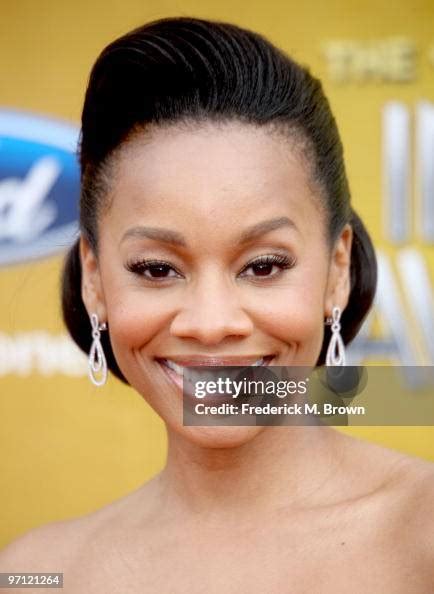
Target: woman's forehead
[{"x": 209, "y": 167}]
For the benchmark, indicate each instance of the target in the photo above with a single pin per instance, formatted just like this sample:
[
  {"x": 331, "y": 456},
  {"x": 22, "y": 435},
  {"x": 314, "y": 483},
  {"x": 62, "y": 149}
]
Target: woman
[{"x": 217, "y": 229}]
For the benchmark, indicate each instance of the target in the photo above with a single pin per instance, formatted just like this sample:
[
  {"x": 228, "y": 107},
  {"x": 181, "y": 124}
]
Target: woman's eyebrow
[
  {"x": 265, "y": 227},
  {"x": 175, "y": 238},
  {"x": 157, "y": 233}
]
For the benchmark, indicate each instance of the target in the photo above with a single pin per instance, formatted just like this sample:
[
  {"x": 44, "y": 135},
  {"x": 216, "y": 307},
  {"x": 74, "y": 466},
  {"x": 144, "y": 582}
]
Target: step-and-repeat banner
[{"x": 66, "y": 447}]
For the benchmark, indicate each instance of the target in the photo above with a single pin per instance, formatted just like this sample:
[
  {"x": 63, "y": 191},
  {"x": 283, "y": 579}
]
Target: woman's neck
[{"x": 279, "y": 467}]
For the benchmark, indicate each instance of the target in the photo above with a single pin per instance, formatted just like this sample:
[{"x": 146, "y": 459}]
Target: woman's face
[{"x": 212, "y": 251}]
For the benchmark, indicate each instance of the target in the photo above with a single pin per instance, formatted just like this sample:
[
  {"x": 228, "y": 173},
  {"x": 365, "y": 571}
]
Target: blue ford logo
[{"x": 39, "y": 186}]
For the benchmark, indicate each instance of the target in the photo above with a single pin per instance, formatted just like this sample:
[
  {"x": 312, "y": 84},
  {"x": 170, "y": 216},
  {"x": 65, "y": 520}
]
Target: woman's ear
[
  {"x": 339, "y": 279},
  {"x": 91, "y": 286}
]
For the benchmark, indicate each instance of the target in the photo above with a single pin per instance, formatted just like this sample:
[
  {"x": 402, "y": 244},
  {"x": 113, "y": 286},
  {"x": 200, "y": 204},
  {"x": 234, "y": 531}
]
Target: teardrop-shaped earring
[
  {"x": 336, "y": 349},
  {"x": 97, "y": 360}
]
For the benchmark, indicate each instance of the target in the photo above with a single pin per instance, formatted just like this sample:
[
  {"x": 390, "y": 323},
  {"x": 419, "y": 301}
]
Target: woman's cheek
[
  {"x": 302, "y": 328},
  {"x": 297, "y": 313},
  {"x": 298, "y": 325},
  {"x": 134, "y": 320}
]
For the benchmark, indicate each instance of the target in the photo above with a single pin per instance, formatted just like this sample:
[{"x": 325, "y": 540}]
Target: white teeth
[
  {"x": 177, "y": 368},
  {"x": 260, "y": 362},
  {"x": 180, "y": 370},
  {"x": 200, "y": 374}
]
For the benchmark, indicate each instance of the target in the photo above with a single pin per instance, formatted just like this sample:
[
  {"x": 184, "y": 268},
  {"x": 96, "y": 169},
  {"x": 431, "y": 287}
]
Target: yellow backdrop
[{"x": 67, "y": 447}]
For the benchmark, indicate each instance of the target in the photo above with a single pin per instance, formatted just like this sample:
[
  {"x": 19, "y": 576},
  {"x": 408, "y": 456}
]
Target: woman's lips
[
  {"x": 215, "y": 361},
  {"x": 186, "y": 382}
]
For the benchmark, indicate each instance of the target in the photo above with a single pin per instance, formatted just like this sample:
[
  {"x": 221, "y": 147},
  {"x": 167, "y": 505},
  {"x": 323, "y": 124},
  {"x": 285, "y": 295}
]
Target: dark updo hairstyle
[{"x": 191, "y": 70}]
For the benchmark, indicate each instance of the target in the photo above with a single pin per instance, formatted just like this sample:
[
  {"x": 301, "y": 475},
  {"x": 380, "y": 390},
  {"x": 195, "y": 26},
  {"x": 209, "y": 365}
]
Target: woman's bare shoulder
[
  {"x": 52, "y": 548},
  {"x": 47, "y": 548},
  {"x": 415, "y": 483},
  {"x": 56, "y": 546},
  {"x": 403, "y": 490},
  {"x": 407, "y": 476}
]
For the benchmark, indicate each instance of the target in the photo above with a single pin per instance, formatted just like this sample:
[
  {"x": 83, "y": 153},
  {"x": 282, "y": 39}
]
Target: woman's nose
[{"x": 211, "y": 312}]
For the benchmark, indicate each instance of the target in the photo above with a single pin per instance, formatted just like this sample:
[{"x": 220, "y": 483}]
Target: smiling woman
[{"x": 217, "y": 229}]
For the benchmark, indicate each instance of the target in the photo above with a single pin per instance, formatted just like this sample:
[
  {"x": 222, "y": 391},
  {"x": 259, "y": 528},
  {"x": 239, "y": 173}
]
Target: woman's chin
[{"x": 220, "y": 436}]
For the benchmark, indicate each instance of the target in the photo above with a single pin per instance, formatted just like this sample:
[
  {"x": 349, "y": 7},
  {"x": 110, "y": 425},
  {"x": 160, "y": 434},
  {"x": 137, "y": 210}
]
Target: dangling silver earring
[
  {"x": 336, "y": 349},
  {"x": 97, "y": 360}
]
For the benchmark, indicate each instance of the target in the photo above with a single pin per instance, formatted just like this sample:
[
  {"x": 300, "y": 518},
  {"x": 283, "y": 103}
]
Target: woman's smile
[{"x": 183, "y": 377}]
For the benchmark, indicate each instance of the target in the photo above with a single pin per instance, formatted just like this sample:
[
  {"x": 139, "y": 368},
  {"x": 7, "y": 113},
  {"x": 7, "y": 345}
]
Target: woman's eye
[
  {"x": 263, "y": 267},
  {"x": 152, "y": 269}
]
